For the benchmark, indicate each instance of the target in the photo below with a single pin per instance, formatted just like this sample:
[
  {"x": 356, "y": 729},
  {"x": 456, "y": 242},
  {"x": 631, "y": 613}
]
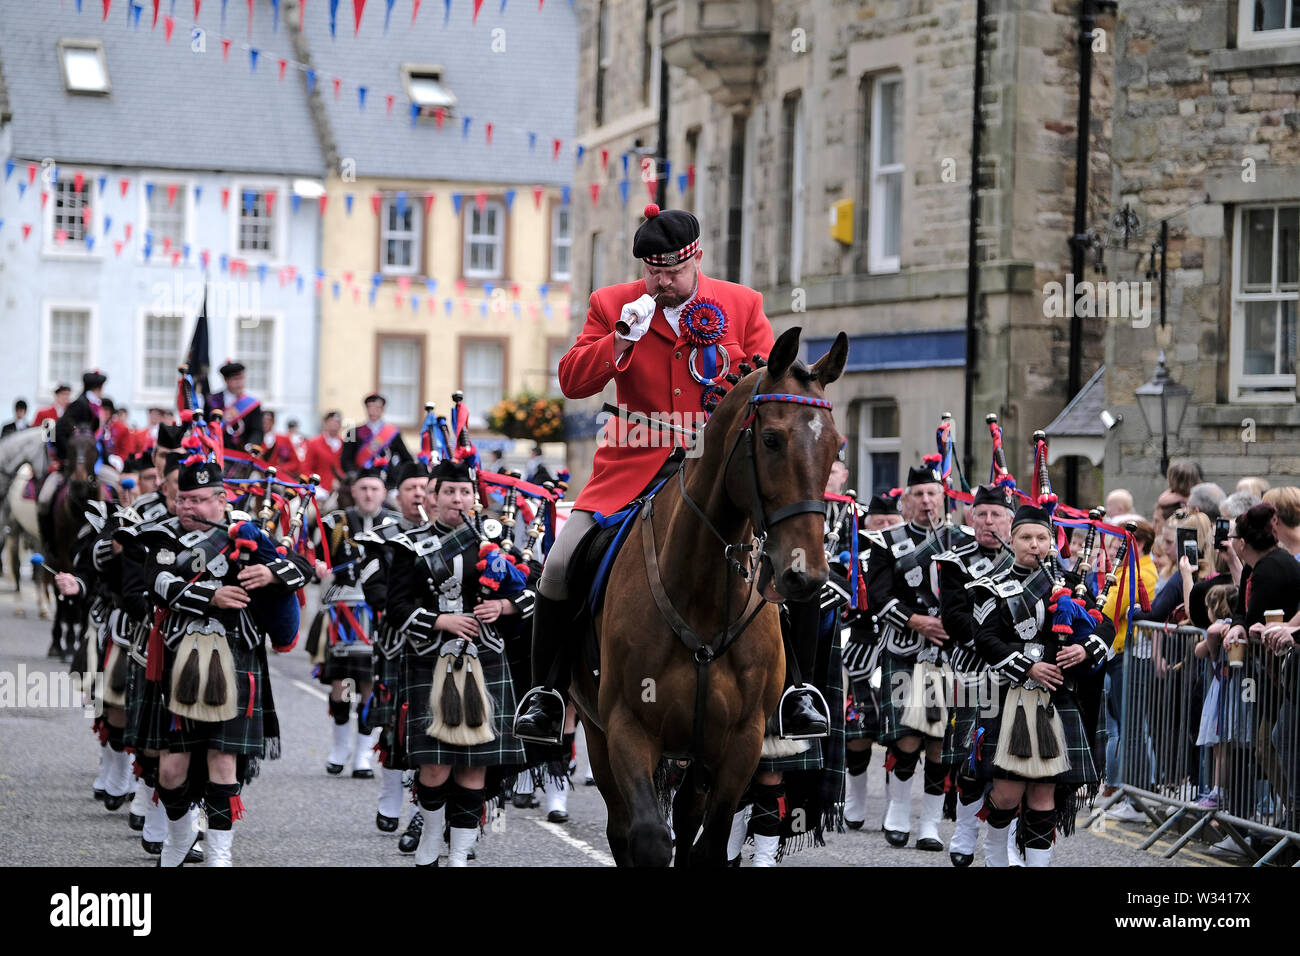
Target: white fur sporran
[
  {"x": 203, "y": 676},
  {"x": 457, "y": 720},
  {"x": 1036, "y": 766}
]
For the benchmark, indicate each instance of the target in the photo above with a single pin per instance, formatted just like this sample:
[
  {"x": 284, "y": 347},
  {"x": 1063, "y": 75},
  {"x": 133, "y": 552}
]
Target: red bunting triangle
[
  {"x": 176, "y": 258},
  {"x": 270, "y": 202},
  {"x": 358, "y": 7},
  {"x": 197, "y": 5},
  {"x": 85, "y": 216},
  {"x": 250, "y": 19},
  {"x": 171, "y": 194},
  {"x": 480, "y": 200},
  {"x": 323, "y": 201},
  {"x": 604, "y": 160},
  {"x": 225, "y": 49},
  {"x": 225, "y": 198},
  {"x": 27, "y": 230},
  {"x": 690, "y": 175},
  {"x": 338, "y": 85},
  {"x": 537, "y": 197},
  {"x": 45, "y": 197},
  {"x": 397, "y": 299},
  {"x": 439, "y": 114},
  {"x": 650, "y": 188},
  {"x": 347, "y": 277},
  {"x": 460, "y": 286},
  {"x": 514, "y": 289},
  {"x": 595, "y": 193},
  {"x": 126, "y": 231},
  {"x": 478, "y": 5},
  {"x": 388, "y": 103},
  {"x": 117, "y": 247},
  {"x": 31, "y": 173},
  {"x": 61, "y": 236},
  {"x": 78, "y": 180},
  {"x": 555, "y": 153},
  {"x": 375, "y": 200},
  {"x": 415, "y": 11},
  {"x": 487, "y": 129},
  {"x": 167, "y": 245},
  {"x": 124, "y": 185},
  {"x": 404, "y": 283},
  {"x": 168, "y": 25},
  {"x": 283, "y": 64},
  {"x": 428, "y": 204},
  {"x": 156, "y": 4},
  {"x": 107, "y": 4},
  {"x": 356, "y": 296}
]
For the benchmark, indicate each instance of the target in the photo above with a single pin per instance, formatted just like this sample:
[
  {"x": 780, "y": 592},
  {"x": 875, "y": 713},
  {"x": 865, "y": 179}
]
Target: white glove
[{"x": 637, "y": 315}]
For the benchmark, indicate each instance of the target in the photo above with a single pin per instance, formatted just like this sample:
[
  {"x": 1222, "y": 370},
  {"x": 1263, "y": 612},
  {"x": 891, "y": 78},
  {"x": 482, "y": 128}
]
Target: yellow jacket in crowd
[{"x": 1117, "y": 602}]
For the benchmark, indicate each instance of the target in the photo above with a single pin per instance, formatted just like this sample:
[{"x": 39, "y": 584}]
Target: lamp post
[{"x": 1163, "y": 403}]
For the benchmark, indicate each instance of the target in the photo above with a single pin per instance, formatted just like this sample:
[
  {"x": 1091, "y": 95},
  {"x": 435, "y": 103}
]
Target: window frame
[
  {"x": 420, "y": 340},
  {"x": 48, "y": 308},
  {"x": 162, "y": 180},
  {"x": 478, "y": 418},
  {"x": 415, "y": 203},
  {"x": 279, "y": 220},
  {"x": 748, "y": 200},
  {"x": 65, "y": 44},
  {"x": 439, "y": 73},
  {"x": 467, "y": 208},
  {"x": 1248, "y": 37},
  {"x": 787, "y": 264},
  {"x": 603, "y": 46},
  {"x": 868, "y": 444},
  {"x": 1239, "y": 383},
  {"x": 876, "y": 261},
  {"x": 555, "y": 208},
  {"x": 277, "y": 318},
  {"x": 73, "y": 249},
  {"x": 142, "y": 392}
]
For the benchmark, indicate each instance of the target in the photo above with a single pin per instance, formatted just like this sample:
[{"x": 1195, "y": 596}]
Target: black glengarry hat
[
  {"x": 1031, "y": 514},
  {"x": 201, "y": 475},
  {"x": 923, "y": 475},
  {"x": 992, "y": 495},
  {"x": 667, "y": 236}
]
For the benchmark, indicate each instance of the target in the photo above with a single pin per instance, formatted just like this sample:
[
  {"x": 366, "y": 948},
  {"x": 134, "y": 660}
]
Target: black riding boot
[
  {"x": 540, "y": 717},
  {"x": 804, "y": 712}
]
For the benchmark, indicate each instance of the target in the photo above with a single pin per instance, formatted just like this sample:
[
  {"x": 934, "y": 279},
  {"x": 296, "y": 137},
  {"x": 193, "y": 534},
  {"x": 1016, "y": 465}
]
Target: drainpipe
[{"x": 972, "y": 249}]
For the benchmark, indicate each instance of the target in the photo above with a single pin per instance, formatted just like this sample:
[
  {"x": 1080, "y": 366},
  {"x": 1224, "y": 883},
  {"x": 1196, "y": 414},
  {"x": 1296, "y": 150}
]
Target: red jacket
[
  {"x": 49, "y": 412},
  {"x": 652, "y": 376},
  {"x": 282, "y": 455},
  {"x": 320, "y": 459}
]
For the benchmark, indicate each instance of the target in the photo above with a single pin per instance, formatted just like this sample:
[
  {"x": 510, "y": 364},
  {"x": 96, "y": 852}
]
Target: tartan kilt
[
  {"x": 1081, "y": 772},
  {"x": 819, "y": 755},
  {"x": 891, "y": 709},
  {"x": 142, "y": 700},
  {"x": 383, "y": 706},
  {"x": 242, "y": 734},
  {"x": 957, "y": 740},
  {"x": 416, "y": 685}
]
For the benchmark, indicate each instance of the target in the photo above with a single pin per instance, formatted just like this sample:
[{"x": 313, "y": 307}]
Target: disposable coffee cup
[{"x": 1237, "y": 655}]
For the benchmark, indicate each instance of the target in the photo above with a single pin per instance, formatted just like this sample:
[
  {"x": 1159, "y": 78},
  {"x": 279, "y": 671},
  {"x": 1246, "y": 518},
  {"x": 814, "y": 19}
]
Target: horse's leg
[
  {"x": 688, "y": 814},
  {"x": 617, "y": 820},
  {"x": 633, "y": 758},
  {"x": 729, "y": 784}
]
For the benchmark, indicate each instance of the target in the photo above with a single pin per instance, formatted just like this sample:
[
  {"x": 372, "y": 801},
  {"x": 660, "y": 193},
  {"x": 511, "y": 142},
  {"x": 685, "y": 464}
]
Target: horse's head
[{"x": 787, "y": 440}]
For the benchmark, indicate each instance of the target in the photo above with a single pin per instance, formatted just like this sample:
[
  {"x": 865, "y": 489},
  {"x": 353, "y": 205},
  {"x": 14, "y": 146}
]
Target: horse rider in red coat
[{"x": 684, "y": 331}]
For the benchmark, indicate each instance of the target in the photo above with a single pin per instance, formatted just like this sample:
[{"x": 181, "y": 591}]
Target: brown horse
[
  {"x": 80, "y": 487},
  {"x": 765, "y": 460}
]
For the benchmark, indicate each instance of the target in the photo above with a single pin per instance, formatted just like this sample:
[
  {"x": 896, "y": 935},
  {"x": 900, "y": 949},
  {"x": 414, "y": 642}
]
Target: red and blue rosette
[{"x": 704, "y": 322}]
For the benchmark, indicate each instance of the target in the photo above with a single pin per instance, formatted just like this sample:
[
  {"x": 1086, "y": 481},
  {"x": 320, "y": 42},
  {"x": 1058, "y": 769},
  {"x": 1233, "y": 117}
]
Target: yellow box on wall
[{"x": 842, "y": 221}]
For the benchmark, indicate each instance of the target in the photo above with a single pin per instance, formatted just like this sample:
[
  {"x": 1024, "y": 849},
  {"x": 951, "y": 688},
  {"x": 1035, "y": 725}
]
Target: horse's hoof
[
  {"x": 650, "y": 845},
  {"x": 897, "y": 837}
]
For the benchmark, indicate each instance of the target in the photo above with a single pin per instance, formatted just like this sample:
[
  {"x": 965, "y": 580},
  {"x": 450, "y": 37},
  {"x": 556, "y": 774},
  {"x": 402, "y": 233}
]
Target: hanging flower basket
[{"x": 528, "y": 416}]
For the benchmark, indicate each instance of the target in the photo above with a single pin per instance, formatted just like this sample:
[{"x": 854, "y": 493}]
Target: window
[
  {"x": 555, "y": 349},
  {"x": 84, "y": 69},
  {"x": 791, "y": 197},
  {"x": 597, "y": 262},
  {"x": 561, "y": 243},
  {"x": 399, "y": 237},
  {"x": 400, "y": 376},
  {"x": 160, "y": 352},
  {"x": 692, "y": 159},
  {"x": 68, "y": 207},
  {"x": 255, "y": 347},
  {"x": 482, "y": 376},
  {"x": 1266, "y": 286},
  {"x": 425, "y": 88},
  {"x": 485, "y": 240},
  {"x": 67, "y": 349},
  {"x": 257, "y": 222},
  {"x": 604, "y": 58},
  {"x": 735, "y": 196},
  {"x": 1268, "y": 22},
  {"x": 878, "y": 446},
  {"x": 885, "y": 205},
  {"x": 165, "y": 212}
]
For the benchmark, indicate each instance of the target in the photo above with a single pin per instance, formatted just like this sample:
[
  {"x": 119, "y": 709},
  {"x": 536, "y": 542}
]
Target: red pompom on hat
[{"x": 650, "y": 211}]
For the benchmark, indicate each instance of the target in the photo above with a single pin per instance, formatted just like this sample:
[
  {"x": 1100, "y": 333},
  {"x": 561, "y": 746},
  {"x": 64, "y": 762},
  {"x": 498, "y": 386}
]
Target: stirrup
[
  {"x": 780, "y": 712},
  {"x": 533, "y": 738}
]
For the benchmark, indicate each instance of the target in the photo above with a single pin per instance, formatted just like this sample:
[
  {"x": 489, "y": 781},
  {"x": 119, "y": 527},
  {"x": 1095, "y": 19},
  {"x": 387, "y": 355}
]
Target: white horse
[{"x": 22, "y": 455}]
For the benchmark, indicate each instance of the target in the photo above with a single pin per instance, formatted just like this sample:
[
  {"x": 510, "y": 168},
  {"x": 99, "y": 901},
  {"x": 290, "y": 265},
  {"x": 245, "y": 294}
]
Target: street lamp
[{"x": 1163, "y": 402}]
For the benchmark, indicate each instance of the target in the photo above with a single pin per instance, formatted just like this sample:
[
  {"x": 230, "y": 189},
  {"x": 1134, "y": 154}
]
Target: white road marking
[
  {"x": 314, "y": 691},
  {"x": 582, "y": 846}
]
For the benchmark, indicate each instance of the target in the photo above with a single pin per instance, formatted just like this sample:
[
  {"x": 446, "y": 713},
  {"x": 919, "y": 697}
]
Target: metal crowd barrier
[{"x": 1202, "y": 742}]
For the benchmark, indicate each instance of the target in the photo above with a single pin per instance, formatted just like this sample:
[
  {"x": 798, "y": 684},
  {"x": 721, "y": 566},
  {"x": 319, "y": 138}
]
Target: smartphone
[
  {"x": 1222, "y": 528},
  {"x": 1188, "y": 547}
]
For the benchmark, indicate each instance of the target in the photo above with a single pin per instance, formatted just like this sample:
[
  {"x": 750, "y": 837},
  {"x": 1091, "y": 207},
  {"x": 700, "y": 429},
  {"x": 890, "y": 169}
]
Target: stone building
[
  {"x": 827, "y": 150},
  {"x": 1207, "y": 137}
]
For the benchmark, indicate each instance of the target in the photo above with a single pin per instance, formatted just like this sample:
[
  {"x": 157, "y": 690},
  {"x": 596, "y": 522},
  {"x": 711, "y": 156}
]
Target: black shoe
[
  {"x": 55, "y": 651},
  {"x": 540, "y": 717},
  {"x": 100, "y": 795},
  {"x": 929, "y": 843},
  {"x": 153, "y": 849},
  {"x": 410, "y": 840},
  {"x": 854, "y": 824},
  {"x": 897, "y": 837},
  {"x": 801, "y": 717},
  {"x": 557, "y": 816},
  {"x": 334, "y": 769},
  {"x": 962, "y": 859},
  {"x": 361, "y": 774},
  {"x": 114, "y": 803},
  {"x": 135, "y": 821},
  {"x": 195, "y": 855},
  {"x": 386, "y": 824},
  {"x": 434, "y": 863},
  {"x": 525, "y": 801}
]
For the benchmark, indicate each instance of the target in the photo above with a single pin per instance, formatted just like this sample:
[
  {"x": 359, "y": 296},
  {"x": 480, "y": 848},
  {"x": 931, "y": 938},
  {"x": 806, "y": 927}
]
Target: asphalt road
[{"x": 300, "y": 816}]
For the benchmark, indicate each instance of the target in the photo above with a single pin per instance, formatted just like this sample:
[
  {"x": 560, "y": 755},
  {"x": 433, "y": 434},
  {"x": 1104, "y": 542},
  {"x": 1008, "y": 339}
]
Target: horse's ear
[
  {"x": 828, "y": 368},
  {"x": 783, "y": 353}
]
